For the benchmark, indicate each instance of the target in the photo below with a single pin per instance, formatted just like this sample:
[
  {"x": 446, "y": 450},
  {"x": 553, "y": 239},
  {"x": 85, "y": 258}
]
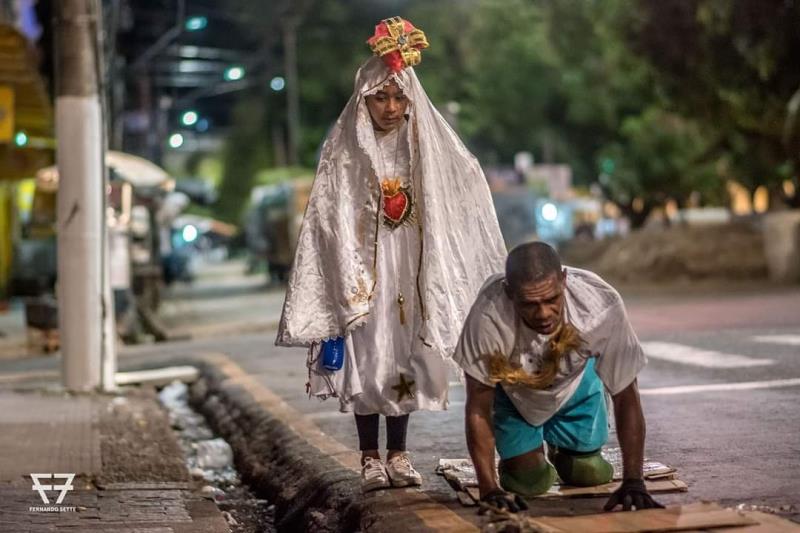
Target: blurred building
[{"x": 26, "y": 120}]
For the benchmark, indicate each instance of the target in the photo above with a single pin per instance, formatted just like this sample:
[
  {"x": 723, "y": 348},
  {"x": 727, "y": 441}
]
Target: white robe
[
  {"x": 349, "y": 268},
  {"x": 385, "y": 348}
]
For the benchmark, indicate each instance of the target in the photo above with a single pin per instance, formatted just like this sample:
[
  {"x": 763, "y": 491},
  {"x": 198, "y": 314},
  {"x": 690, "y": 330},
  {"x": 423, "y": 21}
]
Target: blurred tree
[
  {"x": 733, "y": 65},
  {"x": 679, "y": 94},
  {"x": 246, "y": 151},
  {"x": 661, "y": 157},
  {"x": 508, "y": 88}
]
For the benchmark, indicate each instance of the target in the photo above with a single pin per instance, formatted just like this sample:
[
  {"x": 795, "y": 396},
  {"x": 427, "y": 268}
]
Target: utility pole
[
  {"x": 292, "y": 90},
  {"x": 81, "y": 195}
]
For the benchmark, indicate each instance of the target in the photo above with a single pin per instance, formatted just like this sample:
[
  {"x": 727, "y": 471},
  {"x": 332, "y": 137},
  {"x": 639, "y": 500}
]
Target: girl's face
[{"x": 387, "y": 107}]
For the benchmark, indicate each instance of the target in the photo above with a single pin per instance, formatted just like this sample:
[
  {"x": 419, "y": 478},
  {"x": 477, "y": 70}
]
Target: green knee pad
[
  {"x": 583, "y": 470},
  {"x": 528, "y": 482}
]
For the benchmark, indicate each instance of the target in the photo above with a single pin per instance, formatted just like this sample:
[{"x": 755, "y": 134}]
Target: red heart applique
[
  {"x": 395, "y": 207},
  {"x": 396, "y": 202}
]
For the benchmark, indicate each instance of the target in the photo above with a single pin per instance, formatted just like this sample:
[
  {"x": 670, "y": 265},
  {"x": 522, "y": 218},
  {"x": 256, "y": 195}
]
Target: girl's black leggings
[{"x": 396, "y": 428}]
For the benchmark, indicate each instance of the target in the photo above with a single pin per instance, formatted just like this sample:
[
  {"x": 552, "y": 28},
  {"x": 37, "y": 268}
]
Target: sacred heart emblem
[{"x": 396, "y": 202}]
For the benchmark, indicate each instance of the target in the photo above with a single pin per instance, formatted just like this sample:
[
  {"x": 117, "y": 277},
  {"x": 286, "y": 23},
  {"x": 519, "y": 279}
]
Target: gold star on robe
[{"x": 404, "y": 388}]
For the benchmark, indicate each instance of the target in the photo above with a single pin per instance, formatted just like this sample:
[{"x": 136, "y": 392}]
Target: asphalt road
[{"x": 720, "y": 394}]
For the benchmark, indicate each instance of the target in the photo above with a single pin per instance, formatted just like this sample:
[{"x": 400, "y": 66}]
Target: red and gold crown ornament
[{"x": 398, "y": 43}]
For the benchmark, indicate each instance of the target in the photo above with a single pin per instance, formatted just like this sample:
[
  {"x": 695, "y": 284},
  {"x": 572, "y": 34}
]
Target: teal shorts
[{"x": 580, "y": 425}]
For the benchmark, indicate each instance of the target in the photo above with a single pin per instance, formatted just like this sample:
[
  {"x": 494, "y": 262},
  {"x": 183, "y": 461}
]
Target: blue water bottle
[{"x": 333, "y": 354}]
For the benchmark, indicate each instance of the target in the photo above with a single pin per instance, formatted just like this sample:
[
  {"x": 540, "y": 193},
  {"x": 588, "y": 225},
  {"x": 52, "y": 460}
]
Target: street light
[
  {"x": 175, "y": 140},
  {"x": 277, "y": 83},
  {"x": 189, "y": 118},
  {"x": 189, "y": 233},
  {"x": 195, "y": 23},
  {"x": 234, "y": 73},
  {"x": 21, "y": 138},
  {"x": 549, "y": 212}
]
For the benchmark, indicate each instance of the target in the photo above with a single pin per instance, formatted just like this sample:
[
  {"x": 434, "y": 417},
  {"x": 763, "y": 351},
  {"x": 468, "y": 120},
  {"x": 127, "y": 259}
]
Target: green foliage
[
  {"x": 660, "y": 156},
  {"x": 732, "y": 65},
  {"x": 245, "y": 152},
  {"x": 680, "y": 94},
  {"x": 272, "y": 176}
]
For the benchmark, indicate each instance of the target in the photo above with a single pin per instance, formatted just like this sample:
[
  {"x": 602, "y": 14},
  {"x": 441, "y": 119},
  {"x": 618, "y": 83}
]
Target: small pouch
[{"x": 333, "y": 354}]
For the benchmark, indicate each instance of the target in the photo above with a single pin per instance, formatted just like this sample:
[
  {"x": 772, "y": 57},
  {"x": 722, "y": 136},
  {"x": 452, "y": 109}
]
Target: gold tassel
[
  {"x": 400, "y": 302},
  {"x": 566, "y": 339}
]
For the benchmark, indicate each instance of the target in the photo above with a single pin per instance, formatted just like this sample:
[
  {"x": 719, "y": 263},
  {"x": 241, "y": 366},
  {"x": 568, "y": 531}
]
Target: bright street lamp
[
  {"x": 277, "y": 83},
  {"x": 549, "y": 212},
  {"x": 195, "y": 23},
  {"x": 189, "y": 118},
  {"x": 189, "y": 233},
  {"x": 175, "y": 140},
  {"x": 21, "y": 138},
  {"x": 234, "y": 73}
]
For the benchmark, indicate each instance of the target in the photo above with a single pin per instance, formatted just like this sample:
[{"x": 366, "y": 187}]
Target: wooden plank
[
  {"x": 465, "y": 499},
  {"x": 686, "y": 517},
  {"x": 767, "y": 523},
  {"x": 661, "y": 485}
]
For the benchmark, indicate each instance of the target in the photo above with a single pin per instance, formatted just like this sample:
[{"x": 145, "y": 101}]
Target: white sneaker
[
  {"x": 401, "y": 473},
  {"x": 373, "y": 475}
]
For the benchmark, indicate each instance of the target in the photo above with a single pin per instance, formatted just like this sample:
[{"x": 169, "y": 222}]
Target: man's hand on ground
[
  {"x": 503, "y": 500},
  {"x": 632, "y": 493}
]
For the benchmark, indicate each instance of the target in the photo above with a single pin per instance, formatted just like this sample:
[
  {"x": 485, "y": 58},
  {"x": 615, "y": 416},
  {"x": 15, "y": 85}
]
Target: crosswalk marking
[
  {"x": 791, "y": 340},
  {"x": 688, "y": 355},
  {"x": 716, "y": 387}
]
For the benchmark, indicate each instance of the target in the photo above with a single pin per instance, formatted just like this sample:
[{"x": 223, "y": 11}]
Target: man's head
[
  {"x": 387, "y": 107},
  {"x": 535, "y": 283}
]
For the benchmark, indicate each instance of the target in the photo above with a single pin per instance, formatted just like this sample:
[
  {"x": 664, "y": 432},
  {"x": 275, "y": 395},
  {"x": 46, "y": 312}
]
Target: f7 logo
[{"x": 40, "y": 488}]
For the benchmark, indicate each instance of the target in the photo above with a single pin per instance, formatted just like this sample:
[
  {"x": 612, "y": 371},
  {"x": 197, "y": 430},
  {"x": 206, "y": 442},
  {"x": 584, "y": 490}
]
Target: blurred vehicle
[
  {"x": 524, "y": 216},
  {"x": 195, "y": 238},
  {"x": 554, "y": 223},
  {"x": 516, "y": 214},
  {"x": 272, "y": 223},
  {"x": 135, "y": 193}
]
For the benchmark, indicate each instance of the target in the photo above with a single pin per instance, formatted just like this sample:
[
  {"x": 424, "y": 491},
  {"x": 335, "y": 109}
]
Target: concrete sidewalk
[
  {"x": 129, "y": 469},
  {"x": 310, "y": 477}
]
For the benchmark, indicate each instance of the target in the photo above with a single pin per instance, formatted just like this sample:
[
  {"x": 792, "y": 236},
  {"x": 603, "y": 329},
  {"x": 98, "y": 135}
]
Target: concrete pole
[
  {"x": 108, "y": 350},
  {"x": 80, "y": 154},
  {"x": 292, "y": 88}
]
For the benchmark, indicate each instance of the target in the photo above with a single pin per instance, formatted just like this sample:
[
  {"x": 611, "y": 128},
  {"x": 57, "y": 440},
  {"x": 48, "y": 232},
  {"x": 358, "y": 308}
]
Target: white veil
[{"x": 333, "y": 274}]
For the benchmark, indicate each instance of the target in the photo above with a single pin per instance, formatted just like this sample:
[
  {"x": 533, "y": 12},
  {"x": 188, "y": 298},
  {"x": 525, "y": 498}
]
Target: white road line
[
  {"x": 791, "y": 340},
  {"x": 688, "y": 355},
  {"x": 716, "y": 387}
]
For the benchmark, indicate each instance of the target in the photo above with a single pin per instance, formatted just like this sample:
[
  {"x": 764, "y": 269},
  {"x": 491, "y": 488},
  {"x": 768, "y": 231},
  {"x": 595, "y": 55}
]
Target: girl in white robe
[{"x": 397, "y": 239}]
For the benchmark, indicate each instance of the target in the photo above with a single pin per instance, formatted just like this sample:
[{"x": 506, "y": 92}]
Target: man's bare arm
[
  {"x": 480, "y": 433},
  {"x": 630, "y": 433},
  {"x": 630, "y": 430}
]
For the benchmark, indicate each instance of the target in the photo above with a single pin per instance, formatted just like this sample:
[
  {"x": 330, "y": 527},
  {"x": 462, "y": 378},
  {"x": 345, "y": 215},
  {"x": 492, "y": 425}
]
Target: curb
[
  {"x": 310, "y": 490},
  {"x": 312, "y": 479}
]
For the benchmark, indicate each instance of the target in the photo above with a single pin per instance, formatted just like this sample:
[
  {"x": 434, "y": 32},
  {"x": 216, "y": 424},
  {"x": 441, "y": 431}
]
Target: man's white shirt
[{"x": 596, "y": 310}]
